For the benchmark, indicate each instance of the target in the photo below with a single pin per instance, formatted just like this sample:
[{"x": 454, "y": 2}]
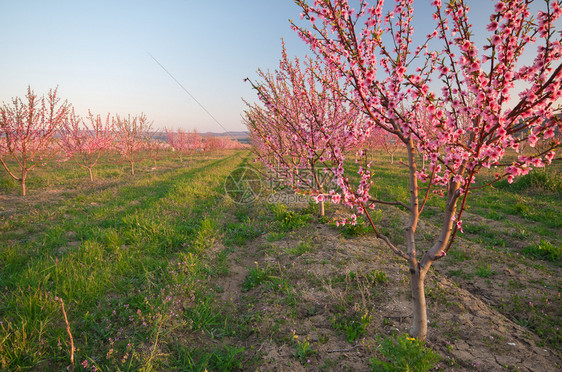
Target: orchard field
[{"x": 163, "y": 271}]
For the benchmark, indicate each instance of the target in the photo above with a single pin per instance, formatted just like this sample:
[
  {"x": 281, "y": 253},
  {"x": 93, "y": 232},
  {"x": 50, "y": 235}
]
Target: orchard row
[
  {"x": 35, "y": 129},
  {"x": 466, "y": 98}
]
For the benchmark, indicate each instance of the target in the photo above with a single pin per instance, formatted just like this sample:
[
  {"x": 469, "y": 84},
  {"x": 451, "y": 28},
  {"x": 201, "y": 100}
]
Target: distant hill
[{"x": 240, "y": 136}]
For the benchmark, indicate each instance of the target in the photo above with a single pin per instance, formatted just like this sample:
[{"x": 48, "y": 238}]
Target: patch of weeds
[
  {"x": 403, "y": 353},
  {"x": 377, "y": 277},
  {"x": 544, "y": 250},
  {"x": 256, "y": 276},
  {"x": 275, "y": 236},
  {"x": 204, "y": 316},
  {"x": 281, "y": 285},
  {"x": 279, "y": 210},
  {"x": 351, "y": 326},
  {"x": 206, "y": 236},
  {"x": 219, "y": 265},
  {"x": 459, "y": 254},
  {"x": 323, "y": 219},
  {"x": 227, "y": 358},
  {"x": 359, "y": 229},
  {"x": 290, "y": 220},
  {"x": 535, "y": 181},
  {"x": 458, "y": 272},
  {"x": 301, "y": 248},
  {"x": 484, "y": 271},
  {"x": 240, "y": 233},
  {"x": 538, "y": 315},
  {"x": 516, "y": 284},
  {"x": 439, "y": 294},
  {"x": 303, "y": 349}
]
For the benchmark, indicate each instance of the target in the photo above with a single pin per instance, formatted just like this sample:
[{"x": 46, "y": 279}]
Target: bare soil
[{"x": 331, "y": 279}]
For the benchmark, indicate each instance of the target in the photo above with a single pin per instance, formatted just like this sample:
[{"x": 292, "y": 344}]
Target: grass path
[{"x": 119, "y": 258}]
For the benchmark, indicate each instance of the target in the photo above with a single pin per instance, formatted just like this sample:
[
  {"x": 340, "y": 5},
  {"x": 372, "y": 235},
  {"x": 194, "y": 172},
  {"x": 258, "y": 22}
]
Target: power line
[{"x": 191, "y": 95}]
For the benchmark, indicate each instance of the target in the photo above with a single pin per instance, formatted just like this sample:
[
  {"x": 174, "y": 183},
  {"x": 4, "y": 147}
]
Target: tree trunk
[
  {"x": 392, "y": 158},
  {"x": 132, "y": 168},
  {"x": 91, "y": 174},
  {"x": 419, "y": 326},
  {"x": 22, "y": 181},
  {"x": 322, "y": 208}
]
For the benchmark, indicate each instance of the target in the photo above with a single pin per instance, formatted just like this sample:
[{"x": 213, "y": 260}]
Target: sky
[
  {"x": 137, "y": 56},
  {"x": 98, "y": 53}
]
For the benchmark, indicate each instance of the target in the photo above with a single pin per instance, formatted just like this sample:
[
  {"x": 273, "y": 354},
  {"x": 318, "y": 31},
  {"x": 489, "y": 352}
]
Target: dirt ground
[{"x": 465, "y": 326}]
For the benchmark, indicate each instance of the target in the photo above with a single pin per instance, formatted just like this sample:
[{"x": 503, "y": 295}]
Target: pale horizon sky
[{"x": 98, "y": 53}]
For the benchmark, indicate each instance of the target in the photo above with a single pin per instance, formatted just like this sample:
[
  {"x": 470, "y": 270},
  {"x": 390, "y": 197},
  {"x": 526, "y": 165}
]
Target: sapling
[
  {"x": 84, "y": 143},
  {"x": 297, "y": 126},
  {"x": 131, "y": 135},
  {"x": 27, "y": 127}
]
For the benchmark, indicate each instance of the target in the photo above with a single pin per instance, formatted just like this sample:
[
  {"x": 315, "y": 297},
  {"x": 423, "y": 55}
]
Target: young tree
[
  {"x": 184, "y": 143},
  {"x": 131, "y": 135},
  {"x": 27, "y": 127},
  {"x": 155, "y": 147},
  {"x": 302, "y": 108},
  {"x": 375, "y": 53},
  {"x": 85, "y": 143},
  {"x": 382, "y": 140}
]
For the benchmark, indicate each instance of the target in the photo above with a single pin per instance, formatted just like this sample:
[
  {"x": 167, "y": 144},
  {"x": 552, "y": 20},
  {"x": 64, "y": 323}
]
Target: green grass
[
  {"x": 122, "y": 256},
  {"x": 140, "y": 263},
  {"x": 255, "y": 277},
  {"x": 353, "y": 327},
  {"x": 402, "y": 353},
  {"x": 544, "y": 250},
  {"x": 289, "y": 220}
]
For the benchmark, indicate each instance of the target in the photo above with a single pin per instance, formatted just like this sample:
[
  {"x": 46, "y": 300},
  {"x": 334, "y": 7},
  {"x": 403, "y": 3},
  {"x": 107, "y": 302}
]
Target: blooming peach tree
[
  {"x": 184, "y": 143},
  {"x": 383, "y": 140},
  {"x": 303, "y": 124},
  {"x": 27, "y": 127},
  {"x": 84, "y": 143},
  {"x": 155, "y": 147},
  {"x": 482, "y": 99},
  {"x": 131, "y": 136}
]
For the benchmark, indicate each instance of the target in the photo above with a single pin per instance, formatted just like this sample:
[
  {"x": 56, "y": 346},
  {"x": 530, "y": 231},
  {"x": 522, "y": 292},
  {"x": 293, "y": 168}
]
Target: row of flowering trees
[
  {"x": 34, "y": 129},
  {"x": 463, "y": 106}
]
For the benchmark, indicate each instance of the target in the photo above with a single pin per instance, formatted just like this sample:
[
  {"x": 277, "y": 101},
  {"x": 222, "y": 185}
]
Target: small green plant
[
  {"x": 290, "y": 220},
  {"x": 544, "y": 251},
  {"x": 293, "y": 220},
  {"x": 206, "y": 236},
  {"x": 484, "y": 271},
  {"x": 352, "y": 327},
  {"x": 535, "y": 181},
  {"x": 301, "y": 248},
  {"x": 275, "y": 236},
  {"x": 227, "y": 358},
  {"x": 403, "y": 353},
  {"x": 359, "y": 229},
  {"x": 303, "y": 349},
  {"x": 256, "y": 276},
  {"x": 377, "y": 277},
  {"x": 240, "y": 233}
]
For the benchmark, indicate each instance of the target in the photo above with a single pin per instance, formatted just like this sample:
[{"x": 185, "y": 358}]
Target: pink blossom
[{"x": 492, "y": 26}]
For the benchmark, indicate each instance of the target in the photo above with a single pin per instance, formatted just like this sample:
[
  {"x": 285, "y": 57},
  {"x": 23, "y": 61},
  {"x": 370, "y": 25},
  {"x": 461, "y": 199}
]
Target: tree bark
[
  {"x": 22, "y": 181},
  {"x": 419, "y": 325}
]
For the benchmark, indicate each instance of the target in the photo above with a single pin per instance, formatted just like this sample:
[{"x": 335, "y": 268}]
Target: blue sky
[{"x": 97, "y": 54}]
